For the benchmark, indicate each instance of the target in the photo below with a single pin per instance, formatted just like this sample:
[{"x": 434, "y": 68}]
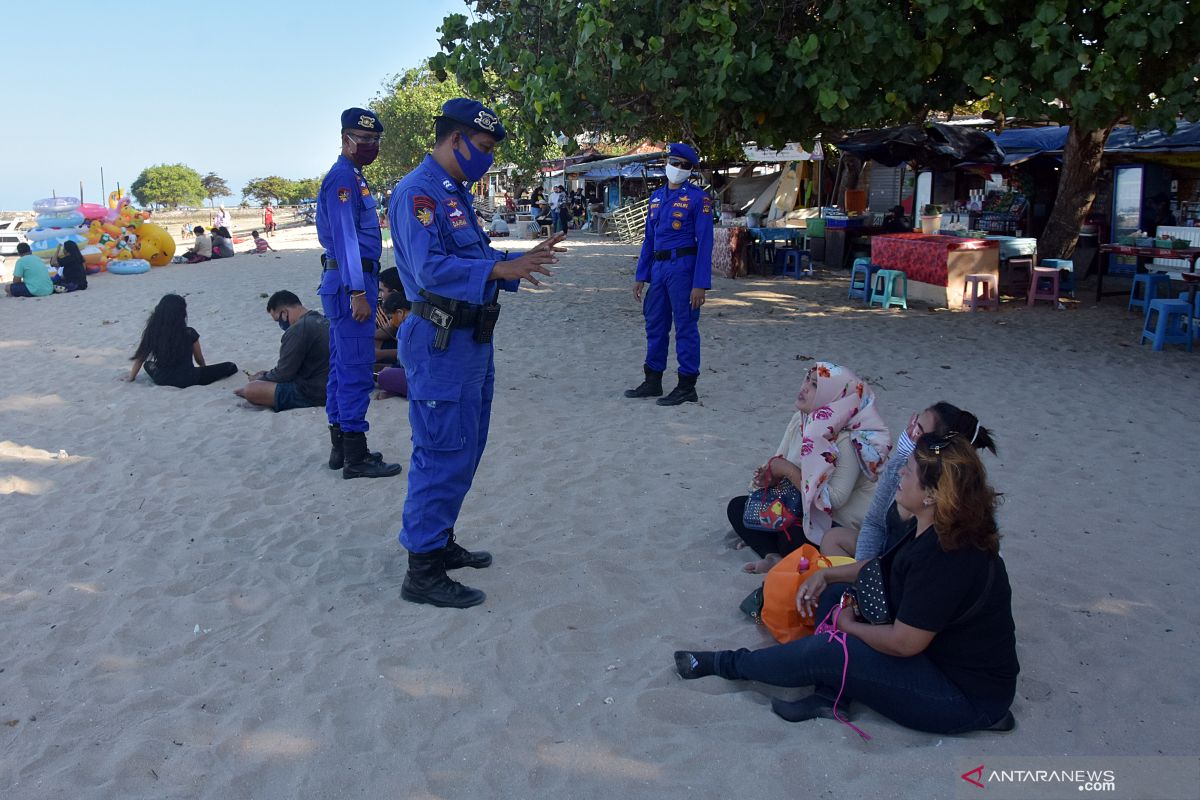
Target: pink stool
[
  {"x": 1036, "y": 292},
  {"x": 972, "y": 296}
]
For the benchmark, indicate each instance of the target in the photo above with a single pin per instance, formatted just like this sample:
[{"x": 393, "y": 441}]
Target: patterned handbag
[
  {"x": 870, "y": 590},
  {"x": 773, "y": 508}
]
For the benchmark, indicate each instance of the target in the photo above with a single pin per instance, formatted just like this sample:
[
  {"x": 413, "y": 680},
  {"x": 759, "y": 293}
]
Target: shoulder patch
[
  {"x": 344, "y": 194},
  {"x": 423, "y": 209}
]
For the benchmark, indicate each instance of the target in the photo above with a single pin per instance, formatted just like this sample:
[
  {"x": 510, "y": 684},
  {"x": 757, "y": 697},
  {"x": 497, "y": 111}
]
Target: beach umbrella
[{"x": 932, "y": 145}]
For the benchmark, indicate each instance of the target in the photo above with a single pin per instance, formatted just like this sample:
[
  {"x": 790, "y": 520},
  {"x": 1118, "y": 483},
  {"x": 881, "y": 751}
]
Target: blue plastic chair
[
  {"x": 884, "y": 288},
  {"x": 1172, "y": 325},
  {"x": 1151, "y": 283},
  {"x": 862, "y": 275}
]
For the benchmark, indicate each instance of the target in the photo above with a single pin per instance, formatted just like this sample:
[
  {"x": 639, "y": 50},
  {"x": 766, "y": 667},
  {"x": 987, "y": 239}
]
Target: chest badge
[
  {"x": 676, "y": 224},
  {"x": 455, "y": 214}
]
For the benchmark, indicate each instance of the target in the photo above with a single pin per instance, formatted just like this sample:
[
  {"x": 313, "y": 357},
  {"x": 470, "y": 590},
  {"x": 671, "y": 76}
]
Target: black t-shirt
[
  {"x": 73, "y": 270},
  {"x": 183, "y": 358},
  {"x": 931, "y": 589}
]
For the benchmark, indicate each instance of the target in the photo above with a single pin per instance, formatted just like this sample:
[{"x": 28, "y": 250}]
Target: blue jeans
[{"x": 911, "y": 691}]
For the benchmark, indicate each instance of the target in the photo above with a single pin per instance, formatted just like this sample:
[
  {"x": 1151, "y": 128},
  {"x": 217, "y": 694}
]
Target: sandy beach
[{"x": 193, "y": 606}]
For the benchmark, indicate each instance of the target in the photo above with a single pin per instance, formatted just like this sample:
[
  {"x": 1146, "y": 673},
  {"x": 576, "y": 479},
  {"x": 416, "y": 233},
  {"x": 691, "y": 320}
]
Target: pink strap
[{"x": 830, "y": 629}]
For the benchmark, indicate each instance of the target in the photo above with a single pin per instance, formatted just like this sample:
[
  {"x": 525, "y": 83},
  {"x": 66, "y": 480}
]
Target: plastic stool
[
  {"x": 1036, "y": 292},
  {"x": 973, "y": 299},
  {"x": 1022, "y": 264},
  {"x": 1173, "y": 325},
  {"x": 862, "y": 274},
  {"x": 797, "y": 263},
  {"x": 1067, "y": 283},
  {"x": 882, "y": 290},
  {"x": 1152, "y": 281}
]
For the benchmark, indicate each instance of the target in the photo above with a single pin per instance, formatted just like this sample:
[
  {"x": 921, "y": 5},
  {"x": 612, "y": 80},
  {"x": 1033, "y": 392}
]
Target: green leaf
[{"x": 828, "y": 97}]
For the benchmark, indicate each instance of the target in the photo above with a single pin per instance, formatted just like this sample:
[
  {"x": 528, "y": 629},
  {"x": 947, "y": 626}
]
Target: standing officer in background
[
  {"x": 453, "y": 278},
  {"x": 677, "y": 261},
  {"x": 348, "y": 229}
]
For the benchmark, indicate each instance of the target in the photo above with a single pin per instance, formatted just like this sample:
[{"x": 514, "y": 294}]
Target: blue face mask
[
  {"x": 283, "y": 324},
  {"x": 479, "y": 163}
]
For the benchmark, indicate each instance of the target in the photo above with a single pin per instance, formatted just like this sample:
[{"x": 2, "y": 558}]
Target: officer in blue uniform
[
  {"x": 676, "y": 260},
  {"x": 348, "y": 229},
  {"x": 453, "y": 277}
]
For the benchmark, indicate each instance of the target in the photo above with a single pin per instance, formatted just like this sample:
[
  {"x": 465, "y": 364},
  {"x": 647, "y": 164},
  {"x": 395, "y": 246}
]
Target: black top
[
  {"x": 304, "y": 356},
  {"x": 73, "y": 270},
  {"x": 932, "y": 589},
  {"x": 163, "y": 360}
]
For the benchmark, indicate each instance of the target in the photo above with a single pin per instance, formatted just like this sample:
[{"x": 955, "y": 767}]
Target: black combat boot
[
  {"x": 358, "y": 462},
  {"x": 458, "y": 556},
  {"x": 427, "y": 582},
  {"x": 651, "y": 387},
  {"x": 337, "y": 456},
  {"x": 684, "y": 392}
]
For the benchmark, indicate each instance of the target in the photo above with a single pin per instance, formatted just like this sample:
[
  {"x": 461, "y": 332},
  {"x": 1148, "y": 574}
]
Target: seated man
[
  {"x": 498, "y": 227},
  {"x": 31, "y": 276},
  {"x": 298, "y": 380}
]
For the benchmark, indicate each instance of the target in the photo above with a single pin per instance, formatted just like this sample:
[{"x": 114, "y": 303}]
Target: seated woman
[
  {"x": 222, "y": 243},
  {"x": 832, "y": 450},
  {"x": 202, "y": 250},
  {"x": 169, "y": 346},
  {"x": 896, "y": 222},
  {"x": 883, "y": 525},
  {"x": 947, "y": 663},
  {"x": 73, "y": 271}
]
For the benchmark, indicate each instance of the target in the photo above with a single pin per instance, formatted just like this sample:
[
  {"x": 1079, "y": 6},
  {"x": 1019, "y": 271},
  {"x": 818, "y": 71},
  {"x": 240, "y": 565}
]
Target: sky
[{"x": 243, "y": 89}]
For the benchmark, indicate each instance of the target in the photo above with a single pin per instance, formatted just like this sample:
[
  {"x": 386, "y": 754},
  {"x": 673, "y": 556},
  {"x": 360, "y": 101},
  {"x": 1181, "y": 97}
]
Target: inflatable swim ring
[
  {"x": 93, "y": 211},
  {"x": 40, "y": 234},
  {"x": 55, "y": 205},
  {"x": 48, "y": 247},
  {"x": 65, "y": 219},
  {"x": 129, "y": 266},
  {"x": 155, "y": 244}
]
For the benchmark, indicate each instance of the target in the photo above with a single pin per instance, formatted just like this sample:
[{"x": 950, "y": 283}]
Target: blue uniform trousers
[
  {"x": 351, "y": 355},
  {"x": 449, "y": 409},
  {"x": 667, "y": 297}
]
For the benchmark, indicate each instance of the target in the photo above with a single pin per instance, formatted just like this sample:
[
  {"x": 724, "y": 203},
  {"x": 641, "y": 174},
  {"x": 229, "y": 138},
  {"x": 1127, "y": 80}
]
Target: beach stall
[{"x": 936, "y": 266}]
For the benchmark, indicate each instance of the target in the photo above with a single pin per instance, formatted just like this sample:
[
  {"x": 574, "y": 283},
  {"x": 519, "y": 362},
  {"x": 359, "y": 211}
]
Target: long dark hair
[
  {"x": 952, "y": 418},
  {"x": 71, "y": 249},
  {"x": 165, "y": 336}
]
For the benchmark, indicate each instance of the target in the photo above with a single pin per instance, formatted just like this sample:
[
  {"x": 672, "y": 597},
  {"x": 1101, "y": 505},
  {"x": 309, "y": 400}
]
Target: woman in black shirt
[
  {"x": 74, "y": 273},
  {"x": 169, "y": 347},
  {"x": 947, "y": 663}
]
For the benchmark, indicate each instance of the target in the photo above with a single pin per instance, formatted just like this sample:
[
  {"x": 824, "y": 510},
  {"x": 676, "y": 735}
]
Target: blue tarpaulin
[
  {"x": 626, "y": 171},
  {"x": 1024, "y": 143}
]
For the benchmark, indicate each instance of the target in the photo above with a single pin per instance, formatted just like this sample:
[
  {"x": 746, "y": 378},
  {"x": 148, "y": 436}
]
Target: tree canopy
[
  {"x": 168, "y": 185},
  {"x": 215, "y": 186},
  {"x": 274, "y": 189}
]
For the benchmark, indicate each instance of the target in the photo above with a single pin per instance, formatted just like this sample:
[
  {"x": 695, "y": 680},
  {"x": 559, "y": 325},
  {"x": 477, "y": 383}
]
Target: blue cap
[
  {"x": 681, "y": 150},
  {"x": 474, "y": 114},
  {"x": 361, "y": 119}
]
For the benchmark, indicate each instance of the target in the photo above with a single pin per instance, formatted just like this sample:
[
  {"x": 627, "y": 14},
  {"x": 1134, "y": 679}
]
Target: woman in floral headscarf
[{"x": 832, "y": 451}]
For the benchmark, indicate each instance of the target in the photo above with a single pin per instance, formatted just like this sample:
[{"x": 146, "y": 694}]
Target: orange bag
[{"x": 779, "y": 612}]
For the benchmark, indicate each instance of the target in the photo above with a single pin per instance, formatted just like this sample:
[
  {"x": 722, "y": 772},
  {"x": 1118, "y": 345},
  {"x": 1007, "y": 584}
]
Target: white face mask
[{"x": 677, "y": 175}]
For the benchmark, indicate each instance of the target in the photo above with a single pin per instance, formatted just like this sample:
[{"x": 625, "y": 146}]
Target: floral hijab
[{"x": 843, "y": 402}]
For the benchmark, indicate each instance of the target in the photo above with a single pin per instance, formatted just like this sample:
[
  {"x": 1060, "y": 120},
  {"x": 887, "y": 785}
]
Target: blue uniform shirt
[
  {"x": 437, "y": 240},
  {"x": 679, "y": 218},
  {"x": 348, "y": 222}
]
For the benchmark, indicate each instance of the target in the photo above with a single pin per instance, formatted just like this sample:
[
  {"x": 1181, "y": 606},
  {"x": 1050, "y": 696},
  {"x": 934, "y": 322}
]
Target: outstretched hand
[{"x": 533, "y": 262}]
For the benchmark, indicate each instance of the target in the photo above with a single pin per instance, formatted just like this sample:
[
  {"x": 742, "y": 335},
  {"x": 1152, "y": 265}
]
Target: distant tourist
[
  {"x": 31, "y": 276},
  {"x": 261, "y": 245},
  {"x": 202, "y": 248},
  {"x": 268, "y": 219},
  {"x": 72, "y": 269}
]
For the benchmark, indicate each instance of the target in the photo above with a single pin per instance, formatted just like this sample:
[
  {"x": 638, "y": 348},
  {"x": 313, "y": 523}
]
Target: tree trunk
[
  {"x": 1076, "y": 190},
  {"x": 848, "y": 177}
]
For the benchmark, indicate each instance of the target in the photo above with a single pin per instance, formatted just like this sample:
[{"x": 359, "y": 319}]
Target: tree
[
  {"x": 266, "y": 190},
  {"x": 406, "y": 107},
  {"x": 1090, "y": 65},
  {"x": 717, "y": 73},
  {"x": 215, "y": 186},
  {"x": 301, "y": 190},
  {"x": 170, "y": 185}
]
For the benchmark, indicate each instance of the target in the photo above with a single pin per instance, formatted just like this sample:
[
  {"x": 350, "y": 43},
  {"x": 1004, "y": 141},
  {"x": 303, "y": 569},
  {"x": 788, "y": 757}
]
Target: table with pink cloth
[{"x": 936, "y": 266}]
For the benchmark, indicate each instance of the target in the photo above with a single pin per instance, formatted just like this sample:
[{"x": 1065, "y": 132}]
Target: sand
[{"x": 193, "y": 606}]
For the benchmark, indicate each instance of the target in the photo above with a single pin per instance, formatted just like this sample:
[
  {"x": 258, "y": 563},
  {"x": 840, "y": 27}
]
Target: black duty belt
[
  {"x": 368, "y": 264},
  {"x": 678, "y": 252},
  {"x": 464, "y": 316}
]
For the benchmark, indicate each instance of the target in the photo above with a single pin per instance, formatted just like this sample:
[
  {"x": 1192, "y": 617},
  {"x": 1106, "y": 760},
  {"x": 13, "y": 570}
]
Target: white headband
[{"x": 975, "y": 435}]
